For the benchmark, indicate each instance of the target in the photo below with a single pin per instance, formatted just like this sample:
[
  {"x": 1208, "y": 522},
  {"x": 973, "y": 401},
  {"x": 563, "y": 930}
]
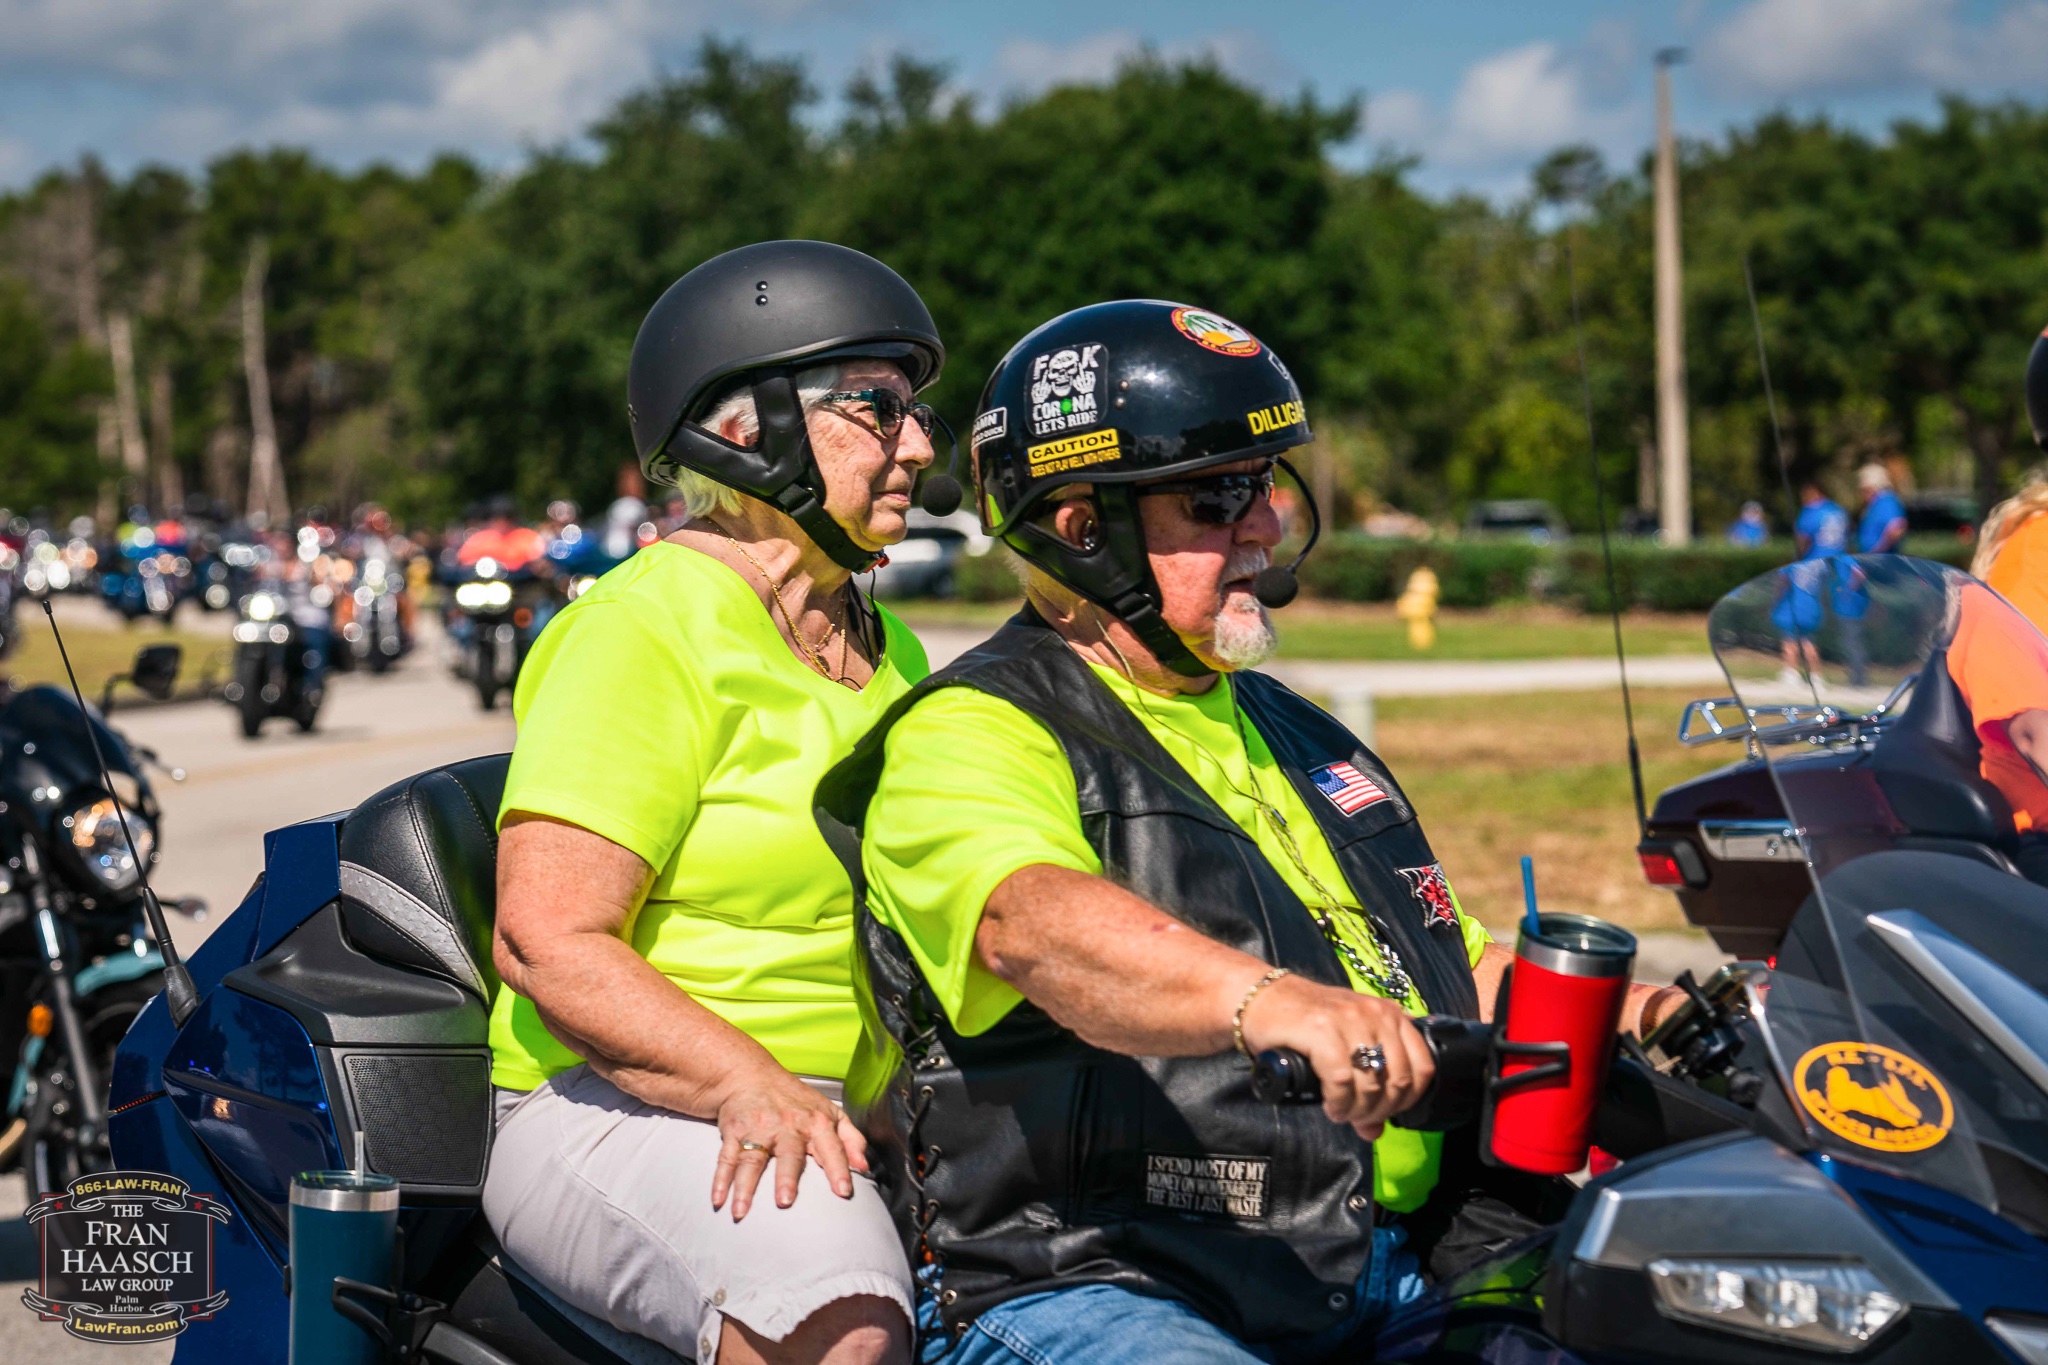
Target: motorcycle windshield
[{"x": 1895, "y": 701}]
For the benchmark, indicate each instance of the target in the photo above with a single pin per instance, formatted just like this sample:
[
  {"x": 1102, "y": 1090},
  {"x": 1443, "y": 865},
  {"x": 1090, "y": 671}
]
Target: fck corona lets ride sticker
[
  {"x": 1215, "y": 331},
  {"x": 1874, "y": 1096}
]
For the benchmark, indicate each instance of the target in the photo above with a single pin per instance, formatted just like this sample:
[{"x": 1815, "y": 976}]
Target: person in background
[
  {"x": 1749, "y": 529},
  {"x": 2012, "y": 549},
  {"x": 503, "y": 539},
  {"x": 1883, "y": 525}
]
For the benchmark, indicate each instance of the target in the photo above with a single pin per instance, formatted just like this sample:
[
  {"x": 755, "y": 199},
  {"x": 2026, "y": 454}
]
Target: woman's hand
[
  {"x": 1328, "y": 1024},
  {"x": 771, "y": 1114}
]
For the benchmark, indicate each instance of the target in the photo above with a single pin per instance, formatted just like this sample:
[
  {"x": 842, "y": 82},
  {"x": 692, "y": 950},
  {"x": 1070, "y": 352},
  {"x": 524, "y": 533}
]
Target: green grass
[
  {"x": 1331, "y": 630},
  {"x": 101, "y": 651}
]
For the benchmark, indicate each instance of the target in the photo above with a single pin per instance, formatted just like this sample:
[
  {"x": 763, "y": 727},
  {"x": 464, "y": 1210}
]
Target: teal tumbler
[{"x": 343, "y": 1224}]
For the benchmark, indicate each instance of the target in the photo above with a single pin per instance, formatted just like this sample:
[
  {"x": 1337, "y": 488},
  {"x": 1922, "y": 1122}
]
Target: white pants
[{"x": 606, "y": 1200}]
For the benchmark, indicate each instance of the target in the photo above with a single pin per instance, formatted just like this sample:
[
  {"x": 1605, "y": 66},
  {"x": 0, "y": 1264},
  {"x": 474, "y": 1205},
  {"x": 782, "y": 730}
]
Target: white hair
[{"x": 705, "y": 496}]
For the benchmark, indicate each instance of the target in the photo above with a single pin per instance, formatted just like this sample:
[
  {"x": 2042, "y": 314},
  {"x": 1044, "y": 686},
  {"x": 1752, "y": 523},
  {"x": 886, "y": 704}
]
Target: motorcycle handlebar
[{"x": 1459, "y": 1047}]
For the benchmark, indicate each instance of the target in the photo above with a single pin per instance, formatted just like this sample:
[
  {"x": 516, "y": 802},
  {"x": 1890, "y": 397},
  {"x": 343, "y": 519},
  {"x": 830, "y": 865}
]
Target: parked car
[
  {"x": 923, "y": 564},
  {"x": 1530, "y": 519},
  {"x": 1943, "y": 514}
]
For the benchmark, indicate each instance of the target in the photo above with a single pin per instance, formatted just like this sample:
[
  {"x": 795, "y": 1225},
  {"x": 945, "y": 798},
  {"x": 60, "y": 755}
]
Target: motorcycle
[
  {"x": 277, "y": 671},
  {"x": 376, "y": 636},
  {"x": 145, "y": 578},
  {"x": 1844, "y": 1151},
  {"x": 77, "y": 962},
  {"x": 498, "y": 613},
  {"x": 1792, "y": 1137}
]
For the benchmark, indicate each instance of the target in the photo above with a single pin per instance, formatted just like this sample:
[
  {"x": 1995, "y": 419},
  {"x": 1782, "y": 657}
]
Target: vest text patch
[{"x": 1234, "y": 1186}]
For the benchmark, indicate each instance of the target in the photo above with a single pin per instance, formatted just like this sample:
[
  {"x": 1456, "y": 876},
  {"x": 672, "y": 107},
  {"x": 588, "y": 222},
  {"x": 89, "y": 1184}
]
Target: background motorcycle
[
  {"x": 497, "y": 615},
  {"x": 76, "y": 962},
  {"x": 274, "y": 667},
  {"x": 377, "y": 636}
]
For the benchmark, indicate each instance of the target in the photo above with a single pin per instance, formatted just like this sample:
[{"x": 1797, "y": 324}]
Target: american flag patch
[{"x": 1349, "y": 790}]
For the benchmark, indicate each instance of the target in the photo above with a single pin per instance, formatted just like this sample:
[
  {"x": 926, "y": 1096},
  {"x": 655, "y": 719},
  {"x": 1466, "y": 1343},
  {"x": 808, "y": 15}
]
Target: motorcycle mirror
[{"x": 156, "y": 669}]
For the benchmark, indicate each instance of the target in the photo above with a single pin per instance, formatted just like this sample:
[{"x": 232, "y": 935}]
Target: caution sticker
[
  {"x": 1874, "y": 1096},
  {"x": 1074, "y": 452}
]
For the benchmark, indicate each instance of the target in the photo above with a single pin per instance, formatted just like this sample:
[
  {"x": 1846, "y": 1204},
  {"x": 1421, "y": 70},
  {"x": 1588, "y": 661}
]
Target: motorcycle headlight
[
  {"x": 1838, "y": 1307},
  {"x": 103, "y": 848},
  {"x": 262, "y": 606}
]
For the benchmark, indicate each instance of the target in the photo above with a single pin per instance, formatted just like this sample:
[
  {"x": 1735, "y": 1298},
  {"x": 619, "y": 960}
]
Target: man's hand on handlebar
[{"x": 1328, "y": 1025}]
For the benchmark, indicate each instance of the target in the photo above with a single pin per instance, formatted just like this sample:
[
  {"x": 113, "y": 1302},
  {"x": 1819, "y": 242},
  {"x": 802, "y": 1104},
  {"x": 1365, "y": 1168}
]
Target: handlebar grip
[{"x": 1460, "y": 1047}]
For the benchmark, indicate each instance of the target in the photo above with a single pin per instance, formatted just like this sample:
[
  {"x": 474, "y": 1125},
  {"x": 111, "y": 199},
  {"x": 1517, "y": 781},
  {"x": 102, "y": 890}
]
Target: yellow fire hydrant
[{"x": 1417, "y": 606}]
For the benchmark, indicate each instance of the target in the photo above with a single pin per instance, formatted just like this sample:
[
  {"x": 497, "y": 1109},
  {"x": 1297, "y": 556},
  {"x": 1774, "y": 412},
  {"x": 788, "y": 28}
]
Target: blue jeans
[{"x": 1105, "y": 1325}]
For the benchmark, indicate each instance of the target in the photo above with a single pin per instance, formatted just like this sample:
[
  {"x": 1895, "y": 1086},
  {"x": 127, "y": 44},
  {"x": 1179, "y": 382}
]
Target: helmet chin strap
[{"x": 781, "y": 470}]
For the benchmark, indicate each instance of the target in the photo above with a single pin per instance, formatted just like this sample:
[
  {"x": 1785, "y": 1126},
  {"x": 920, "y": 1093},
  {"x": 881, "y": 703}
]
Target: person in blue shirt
[
  {"x": 1884, "y": 517},
  {"x": 1822, "y": 528},
  {"x": 1821, "y": 531},
  {"x": 1750, "y": 529}
]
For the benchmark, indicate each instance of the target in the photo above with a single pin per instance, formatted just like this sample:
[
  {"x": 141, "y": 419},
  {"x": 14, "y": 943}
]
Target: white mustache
[{"x": 1247, "y": 563}]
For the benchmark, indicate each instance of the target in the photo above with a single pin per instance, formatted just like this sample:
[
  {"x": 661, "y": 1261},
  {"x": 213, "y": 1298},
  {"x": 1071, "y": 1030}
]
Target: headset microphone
[
  {"x": 1278, "y": 584},
  {"x": 940, "y": 494}
]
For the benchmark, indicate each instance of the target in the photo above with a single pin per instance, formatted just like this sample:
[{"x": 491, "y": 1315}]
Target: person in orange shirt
[
  {"x": 502, "y": 538},
  {"x": 2012, "y": 550},
  {"x": 2000, "y": 664}
]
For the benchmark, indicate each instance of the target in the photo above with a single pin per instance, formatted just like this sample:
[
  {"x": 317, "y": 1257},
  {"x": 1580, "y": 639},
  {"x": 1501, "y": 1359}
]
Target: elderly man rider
[{"x": 1103, "y": 864}]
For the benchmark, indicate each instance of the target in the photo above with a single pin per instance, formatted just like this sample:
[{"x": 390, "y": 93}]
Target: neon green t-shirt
[
  {"x": 973, "y": 789},
  {"x": 663, "y": 711}
]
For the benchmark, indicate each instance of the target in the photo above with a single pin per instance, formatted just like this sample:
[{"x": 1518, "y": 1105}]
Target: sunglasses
[
  {"x": 887, "y": 407},
  {"x": 1218, "y": 499}
]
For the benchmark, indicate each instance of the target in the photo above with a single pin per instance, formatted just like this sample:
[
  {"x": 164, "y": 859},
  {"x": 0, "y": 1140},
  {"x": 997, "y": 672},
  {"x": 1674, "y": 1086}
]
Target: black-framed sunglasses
[
  {"x": 1218, "y": 499},
  {"x": 887, "y": 407}
]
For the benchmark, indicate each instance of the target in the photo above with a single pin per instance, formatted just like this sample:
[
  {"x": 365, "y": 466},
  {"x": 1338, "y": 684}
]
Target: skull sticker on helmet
[{"x": 1063, "y": 385}]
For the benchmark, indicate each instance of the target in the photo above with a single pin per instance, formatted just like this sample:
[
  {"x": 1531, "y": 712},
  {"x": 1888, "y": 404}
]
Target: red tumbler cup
[{"x": 1564, "y": 998}]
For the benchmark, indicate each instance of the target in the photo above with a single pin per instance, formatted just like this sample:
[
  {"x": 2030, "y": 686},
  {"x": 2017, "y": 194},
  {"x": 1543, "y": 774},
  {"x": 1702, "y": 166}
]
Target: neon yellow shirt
[
  {"x": 973, "y": 789},
  {"x": 663, "y": 711}
]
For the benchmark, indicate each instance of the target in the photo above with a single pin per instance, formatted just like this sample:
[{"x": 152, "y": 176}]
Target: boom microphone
[
  {"x": 939, "y": 495},
  {"x": 1279, "y": 584}
]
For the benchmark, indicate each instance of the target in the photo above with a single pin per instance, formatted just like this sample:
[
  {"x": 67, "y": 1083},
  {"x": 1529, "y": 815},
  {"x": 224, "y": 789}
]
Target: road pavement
[{"x": 375, "y": 730}]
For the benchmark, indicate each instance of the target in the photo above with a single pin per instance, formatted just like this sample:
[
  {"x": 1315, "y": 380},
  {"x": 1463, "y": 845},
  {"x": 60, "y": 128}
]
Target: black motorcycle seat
[{"x": 419, "y": 871}]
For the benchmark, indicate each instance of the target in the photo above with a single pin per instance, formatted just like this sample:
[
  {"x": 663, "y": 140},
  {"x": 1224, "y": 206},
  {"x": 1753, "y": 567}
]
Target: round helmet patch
[
  {"x": 1214, "y": 331},
  {"x": 1873, "y": 1096}
]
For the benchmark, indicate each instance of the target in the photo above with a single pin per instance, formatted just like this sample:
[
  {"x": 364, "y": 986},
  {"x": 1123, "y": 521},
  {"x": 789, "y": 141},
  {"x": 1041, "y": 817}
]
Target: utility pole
[
  {"x": 266, "y": 473},
  {"x": 1674, "y": 453}
]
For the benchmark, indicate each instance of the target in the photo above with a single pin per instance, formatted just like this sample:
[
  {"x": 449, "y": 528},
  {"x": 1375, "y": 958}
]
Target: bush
[
  {"x": 986, "y": 578},
  {"x": 1691, "y": 578},
  {"x": 1470, "y": 573}
]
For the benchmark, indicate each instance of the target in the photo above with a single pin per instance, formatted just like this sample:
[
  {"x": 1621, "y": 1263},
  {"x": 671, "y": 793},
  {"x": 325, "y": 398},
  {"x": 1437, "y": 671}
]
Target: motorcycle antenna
[
  {"x": 180, "y": 995},
  {"x": 1763, "y": 364},
  {"x": 1628, "y": 710}
]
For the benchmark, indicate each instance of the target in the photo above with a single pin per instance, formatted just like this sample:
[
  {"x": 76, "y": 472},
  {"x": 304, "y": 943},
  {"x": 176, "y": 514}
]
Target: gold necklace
[
  {"x": 1391, "y": 976},
  {"x": 816, "y": 657}
]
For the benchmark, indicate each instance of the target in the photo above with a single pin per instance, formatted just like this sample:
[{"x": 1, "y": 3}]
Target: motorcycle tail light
[
  {"x": 522, "y": 618},
  {"x": 1661, "y": 867},
  {"x": 1832, "y": 1306}
]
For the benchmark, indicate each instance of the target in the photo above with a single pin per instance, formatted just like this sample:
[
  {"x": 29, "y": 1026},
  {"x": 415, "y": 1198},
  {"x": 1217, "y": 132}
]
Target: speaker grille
[{"x": 426, "y": 1116}]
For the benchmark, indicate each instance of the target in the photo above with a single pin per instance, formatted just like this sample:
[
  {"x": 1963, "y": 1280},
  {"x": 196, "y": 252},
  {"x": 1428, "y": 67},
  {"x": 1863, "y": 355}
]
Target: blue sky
[{"x": 1477, "y": 89}]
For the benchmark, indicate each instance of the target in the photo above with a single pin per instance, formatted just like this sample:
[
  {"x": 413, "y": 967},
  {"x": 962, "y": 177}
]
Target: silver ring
[
  {"x": 1370, "y": 1057},
  {"x": 753, "y": 1146}
]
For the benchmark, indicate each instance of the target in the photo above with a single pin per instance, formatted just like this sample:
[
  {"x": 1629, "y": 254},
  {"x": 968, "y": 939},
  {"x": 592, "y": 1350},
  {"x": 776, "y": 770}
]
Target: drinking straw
[{"x": 1530, "y": 922}]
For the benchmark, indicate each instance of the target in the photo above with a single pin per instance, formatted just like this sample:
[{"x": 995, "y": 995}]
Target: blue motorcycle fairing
[
  {"x": 152, "y": 1137},
  {"x": 1979, "y": 1259},
  {"x": 302, "y": 872}
]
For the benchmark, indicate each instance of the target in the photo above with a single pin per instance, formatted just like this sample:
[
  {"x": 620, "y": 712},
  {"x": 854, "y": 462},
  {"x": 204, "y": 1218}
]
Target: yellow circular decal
[{"x": 1875, "y": 1097}]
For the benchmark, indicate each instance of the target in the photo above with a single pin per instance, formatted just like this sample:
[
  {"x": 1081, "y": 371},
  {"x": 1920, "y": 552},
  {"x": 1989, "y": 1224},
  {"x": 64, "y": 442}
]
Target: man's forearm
[{"x": 1112, "y": 968}]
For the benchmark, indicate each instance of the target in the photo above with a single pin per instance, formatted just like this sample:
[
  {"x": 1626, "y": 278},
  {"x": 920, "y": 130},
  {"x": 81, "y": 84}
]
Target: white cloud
[
  {"x": 1784, "y": 48},
  {"x": 1516, "y": 105}
]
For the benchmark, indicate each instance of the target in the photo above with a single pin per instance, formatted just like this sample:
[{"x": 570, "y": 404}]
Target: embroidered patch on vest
[
  {"x": 1427, "y": 885},
  {"x": 1234, "y": 1186},
  {"x": 1349, "y": 790}
]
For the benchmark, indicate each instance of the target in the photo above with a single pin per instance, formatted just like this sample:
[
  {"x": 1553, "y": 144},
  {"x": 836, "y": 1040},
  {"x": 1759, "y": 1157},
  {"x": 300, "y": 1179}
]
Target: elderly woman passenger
[{"x": 673, "y": 933}]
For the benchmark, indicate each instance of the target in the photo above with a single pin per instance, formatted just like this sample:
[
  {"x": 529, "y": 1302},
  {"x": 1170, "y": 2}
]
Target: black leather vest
[{"x": 1023, "y": 1158}]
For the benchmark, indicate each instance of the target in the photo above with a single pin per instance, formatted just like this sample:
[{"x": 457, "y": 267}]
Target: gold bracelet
[{"x": 1237, "y": 1020}]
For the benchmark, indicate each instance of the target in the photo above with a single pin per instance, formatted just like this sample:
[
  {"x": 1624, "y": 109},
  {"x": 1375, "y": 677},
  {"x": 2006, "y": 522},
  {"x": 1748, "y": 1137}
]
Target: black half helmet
[
  {"x": 2037, "y": 390},
  {"x": 1114, "y": 395},
  {"x": 756, "y": 316}
]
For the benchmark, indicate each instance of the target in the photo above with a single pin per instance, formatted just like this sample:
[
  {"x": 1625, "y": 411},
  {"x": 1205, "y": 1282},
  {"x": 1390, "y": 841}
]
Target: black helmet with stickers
[
  {"x": 755, "y": 316},
  {"x": 1119, "y": 394}
]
